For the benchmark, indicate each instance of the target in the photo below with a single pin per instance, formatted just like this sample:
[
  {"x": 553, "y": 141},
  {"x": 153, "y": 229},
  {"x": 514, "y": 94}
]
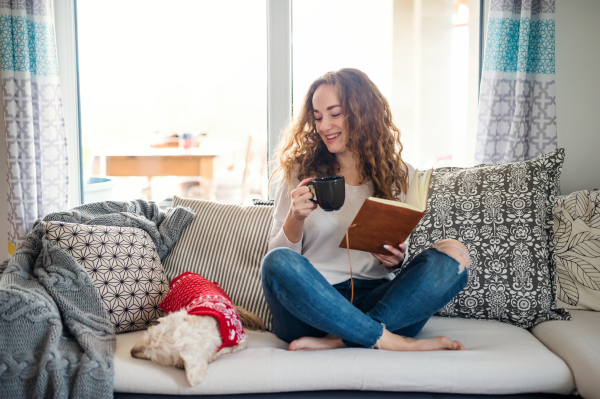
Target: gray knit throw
[{"x": 56, "y": 340}]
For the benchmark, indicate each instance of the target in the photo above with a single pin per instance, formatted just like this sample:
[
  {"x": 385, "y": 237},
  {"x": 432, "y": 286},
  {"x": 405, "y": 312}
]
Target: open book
[{"x": 381, "y": 221}]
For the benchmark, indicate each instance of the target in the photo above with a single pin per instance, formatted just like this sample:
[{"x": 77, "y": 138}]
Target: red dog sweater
[{"x": 197, "y": 295}]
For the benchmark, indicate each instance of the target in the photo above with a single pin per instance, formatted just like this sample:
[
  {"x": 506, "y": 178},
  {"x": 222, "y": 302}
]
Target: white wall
[{"x": 577, "y": 91}]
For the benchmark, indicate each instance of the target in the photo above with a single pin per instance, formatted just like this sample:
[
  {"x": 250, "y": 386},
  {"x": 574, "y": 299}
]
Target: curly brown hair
[{"x": 372, "y": 137}]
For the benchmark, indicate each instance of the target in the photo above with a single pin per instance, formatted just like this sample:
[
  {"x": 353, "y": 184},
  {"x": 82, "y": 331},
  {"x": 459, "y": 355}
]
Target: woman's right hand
[{"x": 301, "y": 205}]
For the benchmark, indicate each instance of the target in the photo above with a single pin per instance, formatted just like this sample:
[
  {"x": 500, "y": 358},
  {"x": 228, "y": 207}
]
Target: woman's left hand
[{"x": 392, "y": 260}]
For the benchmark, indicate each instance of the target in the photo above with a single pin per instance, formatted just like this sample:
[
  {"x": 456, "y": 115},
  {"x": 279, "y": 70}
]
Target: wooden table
[{"x": 143, "y": 160}]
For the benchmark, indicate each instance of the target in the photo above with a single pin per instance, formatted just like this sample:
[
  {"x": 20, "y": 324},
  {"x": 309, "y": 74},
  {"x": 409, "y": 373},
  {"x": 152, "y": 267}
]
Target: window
[
  {"x": 204, "y": 68},
  {"x": 422, "y": 54},
  {"x": 173, "y": 99}
]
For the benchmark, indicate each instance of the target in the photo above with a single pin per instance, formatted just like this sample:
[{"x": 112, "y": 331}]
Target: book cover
[{"x": 380, "y": 221}]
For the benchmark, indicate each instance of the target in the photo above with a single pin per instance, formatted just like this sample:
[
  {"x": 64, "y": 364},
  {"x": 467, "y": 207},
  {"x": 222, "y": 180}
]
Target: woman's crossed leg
[{"x": 310, "y": 314}]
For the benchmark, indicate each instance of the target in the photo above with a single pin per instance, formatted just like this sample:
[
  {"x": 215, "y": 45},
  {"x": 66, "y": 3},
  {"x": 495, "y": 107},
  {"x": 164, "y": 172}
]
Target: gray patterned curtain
[
  {"x": 517, "y": 103},
  {"x": 33, "y": 117}
]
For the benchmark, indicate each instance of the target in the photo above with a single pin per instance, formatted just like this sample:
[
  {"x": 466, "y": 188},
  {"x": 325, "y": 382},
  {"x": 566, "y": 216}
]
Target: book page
[
  {"x": 395, "y": 203},
  {"x": 416, "y": 196},
  {"x": 412, "y": 195},
  {"x": 424, "y": 189}
]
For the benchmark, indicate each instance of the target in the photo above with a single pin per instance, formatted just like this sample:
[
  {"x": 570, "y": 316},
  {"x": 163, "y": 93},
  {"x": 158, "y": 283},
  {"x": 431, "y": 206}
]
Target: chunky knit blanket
[{"x": 55, "y": 337}]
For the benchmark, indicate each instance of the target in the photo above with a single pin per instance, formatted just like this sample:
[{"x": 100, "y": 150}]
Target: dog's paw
[
  {"x": 139, "y": 349},
  {"x": 242, "y": 345}
]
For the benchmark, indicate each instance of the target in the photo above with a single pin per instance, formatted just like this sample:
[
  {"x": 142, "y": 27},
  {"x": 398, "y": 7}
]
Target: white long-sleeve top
[{"x": 323, "y": 232}]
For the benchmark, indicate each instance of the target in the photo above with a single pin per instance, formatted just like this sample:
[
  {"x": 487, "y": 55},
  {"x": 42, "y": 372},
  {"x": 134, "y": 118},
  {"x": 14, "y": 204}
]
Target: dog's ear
[
  {"x": 196, "y": 366},
  {"x": 139, "y": 349}
]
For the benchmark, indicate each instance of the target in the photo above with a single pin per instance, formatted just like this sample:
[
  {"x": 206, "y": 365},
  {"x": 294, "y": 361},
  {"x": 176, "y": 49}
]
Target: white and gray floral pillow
[
  {"x": 503, "y": 214},
  {"x": 577, "y": 235},
  {"x": 124, "y": 266}
]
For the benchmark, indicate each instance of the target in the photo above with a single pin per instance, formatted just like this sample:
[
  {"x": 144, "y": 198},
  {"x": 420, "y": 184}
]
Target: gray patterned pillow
[
  {"x": 504, "y": 216},
  {"x": 124, "y": 266}
]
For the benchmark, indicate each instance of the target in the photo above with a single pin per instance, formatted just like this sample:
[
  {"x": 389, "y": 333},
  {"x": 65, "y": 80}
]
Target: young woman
[{"x": 345, "y": 128}]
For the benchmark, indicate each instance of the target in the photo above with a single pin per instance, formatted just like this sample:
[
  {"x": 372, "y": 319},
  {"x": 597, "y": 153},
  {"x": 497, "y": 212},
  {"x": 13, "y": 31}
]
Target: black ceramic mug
[{"x": 330, "y": 192}]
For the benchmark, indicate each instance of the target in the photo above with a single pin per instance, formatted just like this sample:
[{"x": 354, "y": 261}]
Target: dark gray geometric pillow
[
  {"x": 504, "y": 215},
  {"x": 124, "y": 266},
  {"x": 259, "y": 202}
]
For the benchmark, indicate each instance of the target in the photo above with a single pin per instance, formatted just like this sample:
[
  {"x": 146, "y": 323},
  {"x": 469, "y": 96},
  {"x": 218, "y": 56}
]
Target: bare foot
[
  {"x": 393, "y": 342},
  {"x": 315, "y": 344}
]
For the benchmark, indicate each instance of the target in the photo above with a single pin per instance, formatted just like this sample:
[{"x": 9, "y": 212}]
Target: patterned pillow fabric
[
  {"x": 503, "y": 214},
  {"x": 256, "y": 201},
  {"x": 225, "y": 243},
  {"x": 124, "y": 266},
  {"x": 577, "y": 235}
]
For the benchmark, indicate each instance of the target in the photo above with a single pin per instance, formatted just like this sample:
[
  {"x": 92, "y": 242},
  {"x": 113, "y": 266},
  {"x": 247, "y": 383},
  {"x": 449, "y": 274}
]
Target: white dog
[{"x": 191, "y": 341}]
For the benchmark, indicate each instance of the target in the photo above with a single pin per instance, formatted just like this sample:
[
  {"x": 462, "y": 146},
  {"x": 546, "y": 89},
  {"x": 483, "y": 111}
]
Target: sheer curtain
[
  {"x": 33, "y": 117},
  {"x": 517, "y": 101}
]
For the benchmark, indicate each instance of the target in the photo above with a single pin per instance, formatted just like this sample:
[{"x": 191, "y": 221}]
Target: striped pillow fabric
[{"x": 225, "y": 243}]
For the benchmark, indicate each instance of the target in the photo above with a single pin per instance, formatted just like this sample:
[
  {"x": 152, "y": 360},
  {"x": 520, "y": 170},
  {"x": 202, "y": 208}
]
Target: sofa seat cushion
[
  {"x": 577, "y": 342},
  {"x": 500, "y": 359}
]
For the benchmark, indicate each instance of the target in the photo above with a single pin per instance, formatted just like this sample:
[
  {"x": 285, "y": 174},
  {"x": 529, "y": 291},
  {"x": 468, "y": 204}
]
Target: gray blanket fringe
[{"x": 55, "y": 337}]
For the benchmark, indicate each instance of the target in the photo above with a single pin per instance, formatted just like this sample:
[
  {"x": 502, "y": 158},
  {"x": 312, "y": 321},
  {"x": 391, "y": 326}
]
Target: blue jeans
[{"x": 303, "y": 303}]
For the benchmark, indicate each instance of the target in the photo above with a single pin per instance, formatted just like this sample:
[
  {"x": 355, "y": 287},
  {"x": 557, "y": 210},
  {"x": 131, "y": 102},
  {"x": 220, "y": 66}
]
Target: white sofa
[
  {"x": 555, "y": 357},
  {"x": 500, "y": 359}
]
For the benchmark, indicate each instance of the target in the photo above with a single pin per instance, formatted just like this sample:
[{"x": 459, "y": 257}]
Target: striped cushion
[{"x": 225, "y": 243}]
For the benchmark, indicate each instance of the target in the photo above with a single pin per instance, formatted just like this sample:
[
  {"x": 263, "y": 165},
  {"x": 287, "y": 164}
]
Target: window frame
[
  {"x": 65, "y": 27},
  {"x": 279, "y": 71},
  {"x": 279, "y": 79}
]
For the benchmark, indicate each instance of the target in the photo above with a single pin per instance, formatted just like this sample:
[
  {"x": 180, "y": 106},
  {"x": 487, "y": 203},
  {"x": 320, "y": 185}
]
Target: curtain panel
[
  {"x": 33, "y": 116},
  {"x": 517, "y": 101}
]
